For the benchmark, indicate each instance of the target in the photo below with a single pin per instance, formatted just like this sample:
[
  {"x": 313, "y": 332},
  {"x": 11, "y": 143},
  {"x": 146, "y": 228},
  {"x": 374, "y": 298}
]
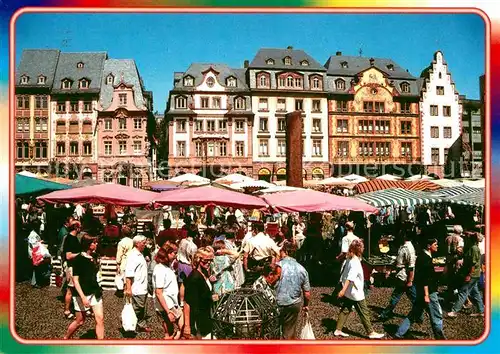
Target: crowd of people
[{"x": 188, "y": 268}]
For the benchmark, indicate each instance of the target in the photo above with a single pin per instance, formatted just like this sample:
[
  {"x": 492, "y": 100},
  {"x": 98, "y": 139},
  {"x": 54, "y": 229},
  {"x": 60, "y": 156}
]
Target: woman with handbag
[
  {"x": 87, "y": 292},
  {"x": 352, "y": 292},
  {"x": 166, "y": 292}
]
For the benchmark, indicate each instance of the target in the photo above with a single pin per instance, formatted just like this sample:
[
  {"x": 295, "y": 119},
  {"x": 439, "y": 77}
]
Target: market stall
[{"x": 107, "y": 193}]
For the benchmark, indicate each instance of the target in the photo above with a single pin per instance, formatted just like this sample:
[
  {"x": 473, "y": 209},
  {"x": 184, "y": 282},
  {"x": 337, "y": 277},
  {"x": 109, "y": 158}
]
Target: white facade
[
  {"x": 213, "y": 120},
  {"x": 312, "y": 153},
  {"x": 441, "y": 111}
]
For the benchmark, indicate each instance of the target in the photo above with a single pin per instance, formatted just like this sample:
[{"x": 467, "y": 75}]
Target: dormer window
[
  {"x": 84, "y": 84},
  {"x": 344, "y": 65},
  {"x": 210, "y": 82},
  {"x": 188, "y": 81},
  {"x": 80, "y": 65},
  {"x": 41, "y": 80},
  {"x": 390, "y": 67},
  {"x": 270, "y": 61},
  {"x": 340, "y": 84},
  {"x": 287, "y": 61},
  {"x": 109, "y": 79},
  {"x": 24, "y": 79},
  {"x": 66, "y": 84},
  {"x": 304, "y": 63},
  {"x": 405, "y": 87},
  {"x": 231, "y": 82}
]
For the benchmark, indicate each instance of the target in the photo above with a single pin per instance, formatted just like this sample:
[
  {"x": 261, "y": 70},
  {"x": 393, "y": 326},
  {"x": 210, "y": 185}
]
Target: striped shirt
[{"x": 406, "y": 259}]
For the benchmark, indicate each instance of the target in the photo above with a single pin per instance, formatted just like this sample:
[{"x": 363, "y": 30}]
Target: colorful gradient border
[{"x": 10, "y": 343}]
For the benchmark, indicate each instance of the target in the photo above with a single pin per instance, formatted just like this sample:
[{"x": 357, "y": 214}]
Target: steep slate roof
[
  {"x": 358, "y": 64},
  {"x": 121, "y": 69},
  {"x": 36, "y": 62},
  {"x": 195, "y": 70},
  {"x": 297, "y": 55},
  {"x": 92, "y": 70}
]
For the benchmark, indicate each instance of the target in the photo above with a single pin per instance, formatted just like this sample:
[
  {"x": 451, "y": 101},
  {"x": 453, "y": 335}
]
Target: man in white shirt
[
  {"x": 347, "y": 240},
  {"x": 136, "y": 287},
  {"x": 257, "y": 251}
]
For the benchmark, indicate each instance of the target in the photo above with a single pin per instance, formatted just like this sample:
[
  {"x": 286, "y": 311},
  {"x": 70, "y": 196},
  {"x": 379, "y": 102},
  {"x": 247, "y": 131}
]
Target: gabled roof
[
  {"x": 36, "y": 62},
  {"x": 196, "y": 71},
  {"x": 358, "y": 64},
  {"x": 92, "y": 70},
  {"x": 123, "y": 70},
  {"x": 297, "y": 55}
]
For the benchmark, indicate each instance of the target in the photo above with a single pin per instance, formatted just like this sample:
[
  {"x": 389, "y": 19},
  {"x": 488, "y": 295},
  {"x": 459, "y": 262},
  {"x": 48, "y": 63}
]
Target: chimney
[
  {"x": 289, "y": 47},
  {"x": 338, "y": 54},
  {"x": 245, "y": 64},
  {"x": 372, "y": 61}
]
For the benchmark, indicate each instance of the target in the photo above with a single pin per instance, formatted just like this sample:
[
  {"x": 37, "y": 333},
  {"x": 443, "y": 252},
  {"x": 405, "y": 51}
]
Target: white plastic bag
[
  {"x": 119, "y": 282},
  {"x": 307, "y": 331},
  {"x": 129, "y": 319}
]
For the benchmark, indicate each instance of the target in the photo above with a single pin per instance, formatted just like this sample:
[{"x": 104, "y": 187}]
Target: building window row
[
  {"x": 374, "y": 126},
  {"x": 123, "y": 147},
  {"x": 374, "y": 149},
  {"x": 434, "y": 110},
  {"x": 435, "y": 132},
  {"x": 74, "y": 107}
]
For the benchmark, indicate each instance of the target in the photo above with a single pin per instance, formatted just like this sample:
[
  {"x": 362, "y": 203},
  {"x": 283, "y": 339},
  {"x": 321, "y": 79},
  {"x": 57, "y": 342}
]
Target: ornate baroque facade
[{"x": 374, "y": 124}]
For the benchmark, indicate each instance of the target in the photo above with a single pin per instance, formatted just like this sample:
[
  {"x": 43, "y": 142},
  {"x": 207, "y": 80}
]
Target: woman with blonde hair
[
  {"x": 198, "y": 296},
  {"x": 352, "y": 293}
]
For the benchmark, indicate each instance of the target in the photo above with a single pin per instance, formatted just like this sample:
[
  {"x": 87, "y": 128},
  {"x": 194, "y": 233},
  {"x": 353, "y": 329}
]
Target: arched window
[
  {"x": 340, "y": 84},
  {"x": 80, "y": 65},
  {"x": 304, "y": 63},
  {"x": 344, "y": 65},
  {"x": 270, "y": 61},
  {"x": 210, "y": 82},
  {"x": 289, "y": 81},
  {"x": 231, "y": 82},
  {"x": 109, "y": 79},
  {"x": 239, "y": 103},
  {"x": 122, "y": 179},
  {"x": 440, "y": 75},
  {"x": 263, "y": 81},
  {"x": 287, "y": 61},
  {"x": 318, "y": 173},
  {"x": 405, "y": 87},
  {"x": 281, "y": 174},
  {"x": 66, "y": 84},
  {"x": 84, "y": 83},
  {"x": 25, "y": 79},
  {"x": 264, "y": 174},
  {"x": 41, "y": 79}
]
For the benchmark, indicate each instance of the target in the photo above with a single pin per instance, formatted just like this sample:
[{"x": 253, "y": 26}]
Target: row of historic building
[
  {"x": 91, "y": 112},
  {"x": 358, "y": 113},
  {"x": 83, "y": 114}
]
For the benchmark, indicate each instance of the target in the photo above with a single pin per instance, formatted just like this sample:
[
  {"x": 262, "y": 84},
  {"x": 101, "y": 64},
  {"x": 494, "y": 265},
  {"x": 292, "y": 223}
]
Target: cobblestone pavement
[{"x": 39, "y": 315}]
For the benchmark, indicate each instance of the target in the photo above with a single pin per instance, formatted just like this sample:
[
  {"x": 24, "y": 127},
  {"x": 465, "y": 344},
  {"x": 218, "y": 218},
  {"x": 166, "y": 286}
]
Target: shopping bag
[
  {"x": 129, "y": 319},
  {"x": 307, "y": 331},
  {"x": 119, "y": 281}
]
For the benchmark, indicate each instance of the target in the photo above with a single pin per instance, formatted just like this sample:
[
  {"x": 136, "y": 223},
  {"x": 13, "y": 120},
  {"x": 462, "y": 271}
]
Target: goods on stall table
[
  {"x": 381, "y": 260},
  {"x": 439, "y": 261}
]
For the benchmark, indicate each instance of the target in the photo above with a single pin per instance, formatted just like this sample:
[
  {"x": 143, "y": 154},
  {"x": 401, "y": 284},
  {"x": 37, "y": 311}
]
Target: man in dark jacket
[{"x": 427, "y": 294}]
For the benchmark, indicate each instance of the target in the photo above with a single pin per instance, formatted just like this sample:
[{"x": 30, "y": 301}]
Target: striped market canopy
[
  {"x": 398, "y": 197},
  {"x": 459, "y": 190},
  {"x": 380, "y": 184},
  {"x": 473, "y": 198}
]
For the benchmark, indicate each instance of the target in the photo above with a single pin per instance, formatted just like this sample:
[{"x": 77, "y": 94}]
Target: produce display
[{"x": 381, "y": 260}]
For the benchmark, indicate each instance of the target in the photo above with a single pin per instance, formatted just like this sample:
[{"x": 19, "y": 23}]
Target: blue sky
[{"x": 164, "y": 43}]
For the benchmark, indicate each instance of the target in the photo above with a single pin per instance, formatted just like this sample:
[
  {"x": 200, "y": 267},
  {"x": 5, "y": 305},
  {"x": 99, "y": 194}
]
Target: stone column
[{"x": 294, "y": 149}]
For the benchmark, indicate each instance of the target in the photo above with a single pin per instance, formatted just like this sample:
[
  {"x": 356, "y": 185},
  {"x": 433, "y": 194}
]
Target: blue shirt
[{"x": 294, "y": 279}]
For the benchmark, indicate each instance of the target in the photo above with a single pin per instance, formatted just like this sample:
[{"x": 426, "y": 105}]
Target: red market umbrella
[
  {"x": 308, "y": 200},
  {"x": 107, "y": 193},
  {"x": 209, "y": 196}
]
